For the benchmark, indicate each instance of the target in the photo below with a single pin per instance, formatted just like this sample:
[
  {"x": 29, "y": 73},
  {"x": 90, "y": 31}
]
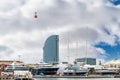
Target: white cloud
[{"x": 25, "y": 35}]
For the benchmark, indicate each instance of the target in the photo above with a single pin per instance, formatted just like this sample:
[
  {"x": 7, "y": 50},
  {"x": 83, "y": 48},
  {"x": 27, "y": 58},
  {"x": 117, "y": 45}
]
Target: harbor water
[{"x": 77, "y": 78}]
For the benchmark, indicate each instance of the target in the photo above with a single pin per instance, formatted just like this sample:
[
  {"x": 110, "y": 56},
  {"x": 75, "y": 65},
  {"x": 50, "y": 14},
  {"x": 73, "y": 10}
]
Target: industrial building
[{"x": 82, "y": 61}]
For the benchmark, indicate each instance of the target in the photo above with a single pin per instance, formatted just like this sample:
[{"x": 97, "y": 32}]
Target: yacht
[
  {"x": 45, "y": 69},
  {"x": 16, "y": 70},
  {"x": 102, "y": 70},
  {"x": 75, "y": 70},
  {"x": 108, "y": 71}
]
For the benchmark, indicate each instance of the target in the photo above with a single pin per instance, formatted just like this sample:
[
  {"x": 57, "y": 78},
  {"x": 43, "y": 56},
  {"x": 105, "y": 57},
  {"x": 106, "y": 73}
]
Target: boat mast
[
  {"x": 86, "y": 54},
  {"x": 76, "y": 51},
  {"x": 86, "y": 47},
  {"x": 68, "y": 49}
]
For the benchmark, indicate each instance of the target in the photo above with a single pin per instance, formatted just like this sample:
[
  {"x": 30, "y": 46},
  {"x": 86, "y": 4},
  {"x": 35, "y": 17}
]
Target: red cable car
[{"x": 35, "y": 15}]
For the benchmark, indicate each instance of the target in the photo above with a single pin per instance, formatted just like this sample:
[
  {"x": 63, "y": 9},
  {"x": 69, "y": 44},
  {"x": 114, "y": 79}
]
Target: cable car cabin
[{"x": 35, "y": 15}]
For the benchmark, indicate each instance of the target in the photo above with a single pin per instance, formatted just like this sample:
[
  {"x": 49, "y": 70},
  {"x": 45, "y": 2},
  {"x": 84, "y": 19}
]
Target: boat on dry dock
[
  {"x": 45, "y": 69},
  {"x": 102, "y": 70},
  {"x": 17, "y": 72},
  {"x": 108, "y": 71},
  {"x": 75, "y": 70}
]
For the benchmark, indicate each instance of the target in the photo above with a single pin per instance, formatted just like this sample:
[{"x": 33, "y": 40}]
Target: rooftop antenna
[
  {"x": 100, "y": 62},
  {"x": 19, "y": 57}
]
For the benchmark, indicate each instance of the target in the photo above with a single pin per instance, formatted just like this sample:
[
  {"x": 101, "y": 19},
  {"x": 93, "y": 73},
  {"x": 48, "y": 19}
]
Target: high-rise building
[{"x": 51, "y": 50}]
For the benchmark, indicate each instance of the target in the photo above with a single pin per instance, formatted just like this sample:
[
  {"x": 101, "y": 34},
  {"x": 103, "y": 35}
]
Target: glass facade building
[
  {"x": 90, "y": 61},
  {"x": 51, "y": 50}
]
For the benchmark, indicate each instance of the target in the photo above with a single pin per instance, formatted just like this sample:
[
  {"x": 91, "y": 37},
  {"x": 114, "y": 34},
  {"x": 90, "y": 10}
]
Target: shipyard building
[
  {"x": 82, "y": 61},
  {"x": 51, "y": 50}
]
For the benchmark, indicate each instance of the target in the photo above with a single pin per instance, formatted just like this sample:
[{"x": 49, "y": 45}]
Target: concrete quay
[
  {"x": 90, "y": 76},
  {"x": 12, "y": 78}
]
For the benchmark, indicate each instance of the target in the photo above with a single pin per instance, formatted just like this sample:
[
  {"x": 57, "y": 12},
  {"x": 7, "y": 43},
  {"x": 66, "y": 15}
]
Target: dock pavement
[{"x": 90, "y": 76}]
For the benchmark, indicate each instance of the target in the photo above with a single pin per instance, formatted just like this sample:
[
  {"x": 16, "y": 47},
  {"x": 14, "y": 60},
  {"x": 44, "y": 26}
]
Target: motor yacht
[
  {"x": 45, "y": 69},
  {"x": 17, "y": 71}
]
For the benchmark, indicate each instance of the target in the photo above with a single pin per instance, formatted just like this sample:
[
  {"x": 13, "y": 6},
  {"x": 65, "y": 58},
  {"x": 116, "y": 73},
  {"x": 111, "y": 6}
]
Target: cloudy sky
[{"x": 94, "y": 21}]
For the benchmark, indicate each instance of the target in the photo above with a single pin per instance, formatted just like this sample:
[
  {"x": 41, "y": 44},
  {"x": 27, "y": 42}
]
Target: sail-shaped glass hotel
[{"x": 51, "y": 50}]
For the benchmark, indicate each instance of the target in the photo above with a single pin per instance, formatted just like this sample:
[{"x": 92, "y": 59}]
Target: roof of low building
[{"x": 113, "y": 62}]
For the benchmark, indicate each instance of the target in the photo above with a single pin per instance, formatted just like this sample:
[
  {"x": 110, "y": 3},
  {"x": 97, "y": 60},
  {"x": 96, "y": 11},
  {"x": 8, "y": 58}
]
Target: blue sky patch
[
  {"x": 112, "y": 51},
  {"x": 115, "y": 2}
]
